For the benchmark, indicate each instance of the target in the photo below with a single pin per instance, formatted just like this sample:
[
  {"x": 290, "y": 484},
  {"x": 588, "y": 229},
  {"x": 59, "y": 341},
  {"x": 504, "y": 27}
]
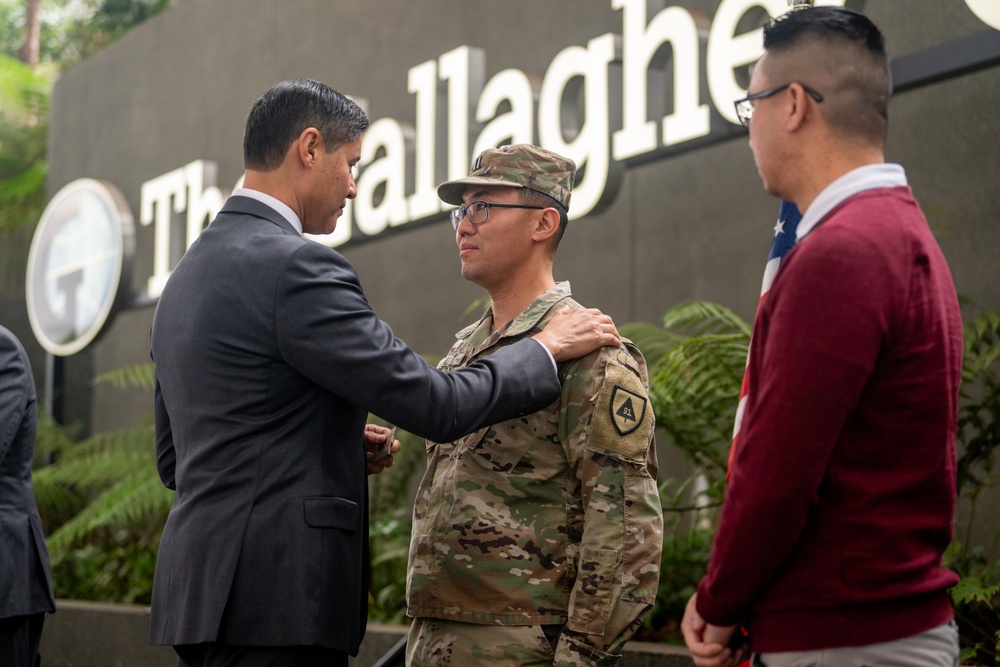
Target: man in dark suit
[
  {"x": 25, "y": 582},
  {"x": 268, "y": 359}
]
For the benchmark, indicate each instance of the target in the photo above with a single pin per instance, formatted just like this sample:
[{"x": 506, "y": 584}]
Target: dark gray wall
[{"x": 694, "y": 226}]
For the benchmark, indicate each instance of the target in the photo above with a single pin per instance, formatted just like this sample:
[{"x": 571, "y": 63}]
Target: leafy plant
[
  {"x": 696, "y": 362},
  {"x": 696, "y": 365},
  {"x": 687, "y": 539},
  {"x": 694, "y": 387},
  {"x": 107, "y": 505},
  {"x": 103, "y": 505},
  {"x": 24, "y": 117},
  {"x": 390, "y": 520},
  {"x": 390, "y": 517},
  {"x": 72, "y": 30},
  {"x": 977, "y": 595},
  {"x": 111, "y": 565}
]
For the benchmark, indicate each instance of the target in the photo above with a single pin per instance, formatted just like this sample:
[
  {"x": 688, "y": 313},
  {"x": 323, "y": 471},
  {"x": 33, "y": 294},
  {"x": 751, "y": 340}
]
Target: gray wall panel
[{"x": 693, "y": 226}]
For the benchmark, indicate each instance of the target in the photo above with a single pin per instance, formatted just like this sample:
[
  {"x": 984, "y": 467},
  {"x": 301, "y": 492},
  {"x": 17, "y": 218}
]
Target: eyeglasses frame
[
  {"x": 457, "y": 214},
  {"x": 745, "y": 110}
]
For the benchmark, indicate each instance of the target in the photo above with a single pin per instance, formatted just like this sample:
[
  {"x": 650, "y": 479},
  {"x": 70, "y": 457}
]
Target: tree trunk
[{"x": 32, "y": 32}]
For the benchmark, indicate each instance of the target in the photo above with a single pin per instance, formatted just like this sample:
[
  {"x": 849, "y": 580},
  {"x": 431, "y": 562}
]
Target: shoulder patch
[
  {"x": 622, "y": 423},
  {"x": 627, "y": 409}
]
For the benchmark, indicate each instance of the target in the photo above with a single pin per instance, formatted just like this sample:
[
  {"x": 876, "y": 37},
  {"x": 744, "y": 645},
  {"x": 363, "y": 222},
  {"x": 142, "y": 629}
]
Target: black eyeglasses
[
  {"x": 744, "y": 107},
  {"x": 479, "y": 212}
]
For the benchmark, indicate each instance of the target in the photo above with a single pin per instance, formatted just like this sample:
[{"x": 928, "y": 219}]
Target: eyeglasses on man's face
[
  {"x": 745, "y": 106},
  {"x": 479, "y": 212}
]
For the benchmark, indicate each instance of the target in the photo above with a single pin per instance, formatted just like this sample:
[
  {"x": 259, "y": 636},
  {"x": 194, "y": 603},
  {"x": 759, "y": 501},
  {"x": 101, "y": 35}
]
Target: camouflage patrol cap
[{"x": 518, "y": 166}]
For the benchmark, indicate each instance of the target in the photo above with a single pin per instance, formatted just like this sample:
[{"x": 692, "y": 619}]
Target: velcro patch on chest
[{"x": 622, "y": 421}]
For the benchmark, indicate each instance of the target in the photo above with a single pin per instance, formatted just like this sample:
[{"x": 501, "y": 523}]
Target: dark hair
[
  {"x": 536, "y": 198},
  {"x": 283, "y": 112},
  {"x": 855, "y": 62},
  {"x": 827, "y": 22}
]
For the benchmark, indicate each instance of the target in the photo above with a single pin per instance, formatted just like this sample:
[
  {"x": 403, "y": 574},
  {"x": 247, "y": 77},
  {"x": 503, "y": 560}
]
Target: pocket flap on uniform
[{"x": 331, "y": 513}]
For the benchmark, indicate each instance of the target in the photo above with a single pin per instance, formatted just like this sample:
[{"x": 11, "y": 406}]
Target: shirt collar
[
  {"x": 858, "y": 180},
  {"x": 527, "y": 319},
  {"x": 282, "y": 208}
]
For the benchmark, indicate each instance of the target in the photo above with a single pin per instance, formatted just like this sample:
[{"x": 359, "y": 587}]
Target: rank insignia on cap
[{"x": 627, "y": 410}]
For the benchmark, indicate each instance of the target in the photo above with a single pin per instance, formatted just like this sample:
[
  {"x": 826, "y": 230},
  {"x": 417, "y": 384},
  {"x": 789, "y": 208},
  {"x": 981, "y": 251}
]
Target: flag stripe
[{"x": 784, "y": 238}]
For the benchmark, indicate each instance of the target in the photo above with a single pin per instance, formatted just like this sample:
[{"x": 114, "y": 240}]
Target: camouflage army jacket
[{"x": 552, "y": 518}]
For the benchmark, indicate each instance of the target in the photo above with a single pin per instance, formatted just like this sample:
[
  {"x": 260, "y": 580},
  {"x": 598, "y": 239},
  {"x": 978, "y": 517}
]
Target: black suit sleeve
[
  {"x": 12, "y": 391},
  {"x": 166, "y": 457},
  {"x": 329, "y": 333}
]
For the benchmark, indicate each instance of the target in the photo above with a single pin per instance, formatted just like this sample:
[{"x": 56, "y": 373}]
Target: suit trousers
[
  {"x": 20, "y": 637},
  {"x": 212, "y": 654}
]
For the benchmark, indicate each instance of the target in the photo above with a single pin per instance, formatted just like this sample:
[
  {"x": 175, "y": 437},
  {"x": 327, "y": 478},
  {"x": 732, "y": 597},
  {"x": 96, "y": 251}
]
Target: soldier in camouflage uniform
[{"x": 535, "y": 541}]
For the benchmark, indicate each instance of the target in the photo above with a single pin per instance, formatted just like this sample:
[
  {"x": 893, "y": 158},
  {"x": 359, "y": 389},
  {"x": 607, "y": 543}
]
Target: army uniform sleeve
[{"x": 607, "y": 430}]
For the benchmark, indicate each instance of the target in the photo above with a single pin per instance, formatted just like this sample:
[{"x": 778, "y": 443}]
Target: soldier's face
[{"x": 493, "y": 251}]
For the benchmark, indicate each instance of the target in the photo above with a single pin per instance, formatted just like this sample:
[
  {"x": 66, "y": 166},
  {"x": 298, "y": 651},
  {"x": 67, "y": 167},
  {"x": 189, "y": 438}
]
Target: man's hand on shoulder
[{"x": 574, "y": 333}]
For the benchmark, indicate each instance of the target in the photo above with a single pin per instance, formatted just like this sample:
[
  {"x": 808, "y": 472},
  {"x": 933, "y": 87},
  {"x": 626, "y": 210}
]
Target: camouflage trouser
[{"x": 433, "y": 642}]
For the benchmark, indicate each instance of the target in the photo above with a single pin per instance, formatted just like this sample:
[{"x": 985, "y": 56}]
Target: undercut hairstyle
[
  {"x": 286, "y": 110},
  {"x": 846, "y": 53},
  {"x": 535, "y": 198}
]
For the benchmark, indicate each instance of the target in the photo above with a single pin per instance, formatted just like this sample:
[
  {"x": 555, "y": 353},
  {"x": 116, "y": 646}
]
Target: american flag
[{"x": 784, "y": 239}]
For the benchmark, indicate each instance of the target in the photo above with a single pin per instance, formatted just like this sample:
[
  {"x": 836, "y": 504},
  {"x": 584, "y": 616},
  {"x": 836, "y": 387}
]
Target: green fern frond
[
  {"x": 979, "y": 408},
  {"x": 94, "y": 472},
  {"x": 695, "y": 380},
  {"x": 982, "y": 342},
  {"x": 986, "y": 325},
  {"x": 98, "y": 461},
  {"x": 704, "y": 317},
  {"x": 129, "y": 441},
  {"x": 136, "y": 376},
  {"x": 51, "y": 441},
  {"x": 675, "y": 492},
  {"x": 389, "y": 555},
  {"x": 654, "y": 342},
  {"x": 132, "y": 499},
  {"x": 54, "y": 497},
  {"x": 703, "y": 373},
  {"x": 971, "y": 589}
]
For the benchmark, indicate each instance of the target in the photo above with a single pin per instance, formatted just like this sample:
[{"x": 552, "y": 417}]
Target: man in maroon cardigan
[{"x": 842, "y": 487}]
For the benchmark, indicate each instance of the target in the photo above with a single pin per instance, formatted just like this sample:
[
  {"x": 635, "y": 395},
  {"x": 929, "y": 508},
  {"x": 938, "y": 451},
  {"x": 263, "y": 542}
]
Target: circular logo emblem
[
  {"x": 81, "y": 249},
  {"x": 988, "y": 11}
]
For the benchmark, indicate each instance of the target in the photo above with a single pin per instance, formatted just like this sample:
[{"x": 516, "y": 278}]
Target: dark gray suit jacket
[
  {"x": 268, "y": 359},
  {"x": 25, "y": 582}
]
